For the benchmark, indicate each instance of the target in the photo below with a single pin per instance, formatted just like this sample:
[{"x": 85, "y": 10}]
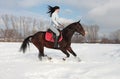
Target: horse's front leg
[
  {"x": 73, "y": 53},
  {"x": 66, "y": 53}
]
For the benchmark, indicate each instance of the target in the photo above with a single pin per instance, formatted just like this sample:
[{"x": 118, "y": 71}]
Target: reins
[{"x": 68, "y": 29}]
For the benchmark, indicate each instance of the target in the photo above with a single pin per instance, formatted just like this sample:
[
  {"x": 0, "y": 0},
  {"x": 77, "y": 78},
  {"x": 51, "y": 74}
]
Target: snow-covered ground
[{"x": 99, "y": 61}]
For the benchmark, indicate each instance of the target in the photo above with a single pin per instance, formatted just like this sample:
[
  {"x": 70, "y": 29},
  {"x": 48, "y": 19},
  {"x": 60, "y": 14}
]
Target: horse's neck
[{"x": 68, "y": 33}]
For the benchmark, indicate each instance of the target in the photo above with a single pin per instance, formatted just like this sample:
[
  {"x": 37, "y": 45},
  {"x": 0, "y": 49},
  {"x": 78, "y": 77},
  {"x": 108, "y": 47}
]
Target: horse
[{"x": 38, "y": 39}]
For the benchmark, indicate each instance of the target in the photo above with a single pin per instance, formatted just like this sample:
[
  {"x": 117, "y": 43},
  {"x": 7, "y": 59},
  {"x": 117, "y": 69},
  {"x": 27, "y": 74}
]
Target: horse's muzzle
[{"x": 82, "y": 33}]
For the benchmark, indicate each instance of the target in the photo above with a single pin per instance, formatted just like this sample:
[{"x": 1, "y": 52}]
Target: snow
[{"x": 99, "y": 61}]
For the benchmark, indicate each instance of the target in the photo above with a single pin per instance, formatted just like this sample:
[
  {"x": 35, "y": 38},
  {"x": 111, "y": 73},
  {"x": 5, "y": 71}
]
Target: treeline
[
  {"x": 16, "y": 28},
  {"x": 93, "y": 36}
]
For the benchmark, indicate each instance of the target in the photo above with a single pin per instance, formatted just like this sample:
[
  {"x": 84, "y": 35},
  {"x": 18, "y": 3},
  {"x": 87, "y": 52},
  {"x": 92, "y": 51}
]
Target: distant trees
[
  {"x": 105, "y": 39},
  {"x": 115, "y": 36},
  {"x": 92, "y": 33},
  {"x": 15, "y": 28}
]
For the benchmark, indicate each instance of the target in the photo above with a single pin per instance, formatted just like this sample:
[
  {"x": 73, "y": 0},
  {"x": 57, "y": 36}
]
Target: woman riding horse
[
  {"x": 55, "y": 23},
  {"x": 38, "y": 39}
]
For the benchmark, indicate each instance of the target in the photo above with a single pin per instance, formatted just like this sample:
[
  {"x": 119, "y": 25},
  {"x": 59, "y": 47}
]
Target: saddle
[{"x": 50, "y": 36}]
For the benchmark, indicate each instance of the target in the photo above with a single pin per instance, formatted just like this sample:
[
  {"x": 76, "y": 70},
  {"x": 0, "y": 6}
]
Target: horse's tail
[{"x": 25, "y": 44}]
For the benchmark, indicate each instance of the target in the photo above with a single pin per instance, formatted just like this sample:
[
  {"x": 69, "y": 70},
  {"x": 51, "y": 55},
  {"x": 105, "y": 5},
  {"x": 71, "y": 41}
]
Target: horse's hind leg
[{"x": 41, "y": 53}]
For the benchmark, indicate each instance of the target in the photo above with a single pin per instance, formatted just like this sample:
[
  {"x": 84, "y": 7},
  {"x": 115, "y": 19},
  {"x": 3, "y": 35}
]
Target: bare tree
[
  {"x": 5, "y": 19},
  {"x": 115, "y": 36},
  {"x": 105, "y": 39},
  {"x": 34, "y": 26},
  {"x": 92, "y": 35}
]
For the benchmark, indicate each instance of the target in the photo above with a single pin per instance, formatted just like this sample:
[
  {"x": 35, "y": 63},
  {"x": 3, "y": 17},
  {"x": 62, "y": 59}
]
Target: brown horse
[{"x": 38, "y": 39}]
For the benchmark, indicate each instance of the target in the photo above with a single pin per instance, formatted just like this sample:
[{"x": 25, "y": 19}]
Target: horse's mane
[{"x": 69, "y": 26}]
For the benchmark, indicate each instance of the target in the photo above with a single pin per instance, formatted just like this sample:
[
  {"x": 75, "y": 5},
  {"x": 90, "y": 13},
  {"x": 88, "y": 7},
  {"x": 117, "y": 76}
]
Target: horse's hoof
[
  {"x": 49, "y": 58},
  {"x": 40, "y": 58},
  {"x": 78, "y": 59},
  {"x": 64, "y": 59}
]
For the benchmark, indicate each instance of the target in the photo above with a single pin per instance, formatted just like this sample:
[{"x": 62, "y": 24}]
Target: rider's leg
[
  {"x": 55, "y": 31},
  {"x": 56, "y": 37}
]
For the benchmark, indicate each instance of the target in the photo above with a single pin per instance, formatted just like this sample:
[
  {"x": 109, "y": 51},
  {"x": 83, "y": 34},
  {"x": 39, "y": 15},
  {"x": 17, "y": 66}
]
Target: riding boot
[{"x": 56, "y": 42}]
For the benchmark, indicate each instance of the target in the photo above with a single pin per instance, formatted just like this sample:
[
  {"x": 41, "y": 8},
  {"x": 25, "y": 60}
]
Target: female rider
[{"x": 55, "y": 23}]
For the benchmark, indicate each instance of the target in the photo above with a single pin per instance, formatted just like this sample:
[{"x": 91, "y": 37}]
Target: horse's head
[{"x": 79, "y": 28}]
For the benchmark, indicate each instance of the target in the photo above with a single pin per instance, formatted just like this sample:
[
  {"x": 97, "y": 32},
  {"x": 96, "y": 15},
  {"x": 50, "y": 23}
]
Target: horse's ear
[{"x": 79, "y": 21}]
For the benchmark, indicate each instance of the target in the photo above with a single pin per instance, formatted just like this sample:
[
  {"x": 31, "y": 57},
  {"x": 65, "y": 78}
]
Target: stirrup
[{"x": 56, "y": 45}]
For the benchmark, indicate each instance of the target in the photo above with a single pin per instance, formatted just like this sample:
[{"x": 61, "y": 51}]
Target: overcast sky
[{"x": 105, "y": 13}]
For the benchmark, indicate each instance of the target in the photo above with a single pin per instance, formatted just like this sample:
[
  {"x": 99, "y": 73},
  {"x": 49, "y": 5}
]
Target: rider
[{"x": 55, "y": 23}]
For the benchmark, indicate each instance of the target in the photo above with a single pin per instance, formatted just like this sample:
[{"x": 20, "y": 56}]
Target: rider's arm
[
  {"x": 54, "y": 19},
  {"x": 58, "y": 21}
]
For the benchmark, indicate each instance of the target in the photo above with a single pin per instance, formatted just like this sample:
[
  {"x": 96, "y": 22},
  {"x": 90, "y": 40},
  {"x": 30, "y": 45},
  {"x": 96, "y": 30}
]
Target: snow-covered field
[{"x": 99, "y": 61}]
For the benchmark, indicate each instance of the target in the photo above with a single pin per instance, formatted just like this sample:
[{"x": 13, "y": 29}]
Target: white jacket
[{"x": 55, "y": 19}]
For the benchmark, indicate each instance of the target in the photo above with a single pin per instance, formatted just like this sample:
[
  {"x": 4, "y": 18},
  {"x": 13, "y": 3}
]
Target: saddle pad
[{"x": 49, "y": 37}]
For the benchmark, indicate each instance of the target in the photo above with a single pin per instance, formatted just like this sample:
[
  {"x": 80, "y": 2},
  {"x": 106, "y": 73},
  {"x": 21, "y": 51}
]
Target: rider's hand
[{"x": 61, "y": 26}]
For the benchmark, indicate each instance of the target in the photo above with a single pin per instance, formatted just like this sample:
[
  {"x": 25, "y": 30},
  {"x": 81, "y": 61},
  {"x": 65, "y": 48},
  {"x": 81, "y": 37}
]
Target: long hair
[{"x": 52, "y": 9}]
